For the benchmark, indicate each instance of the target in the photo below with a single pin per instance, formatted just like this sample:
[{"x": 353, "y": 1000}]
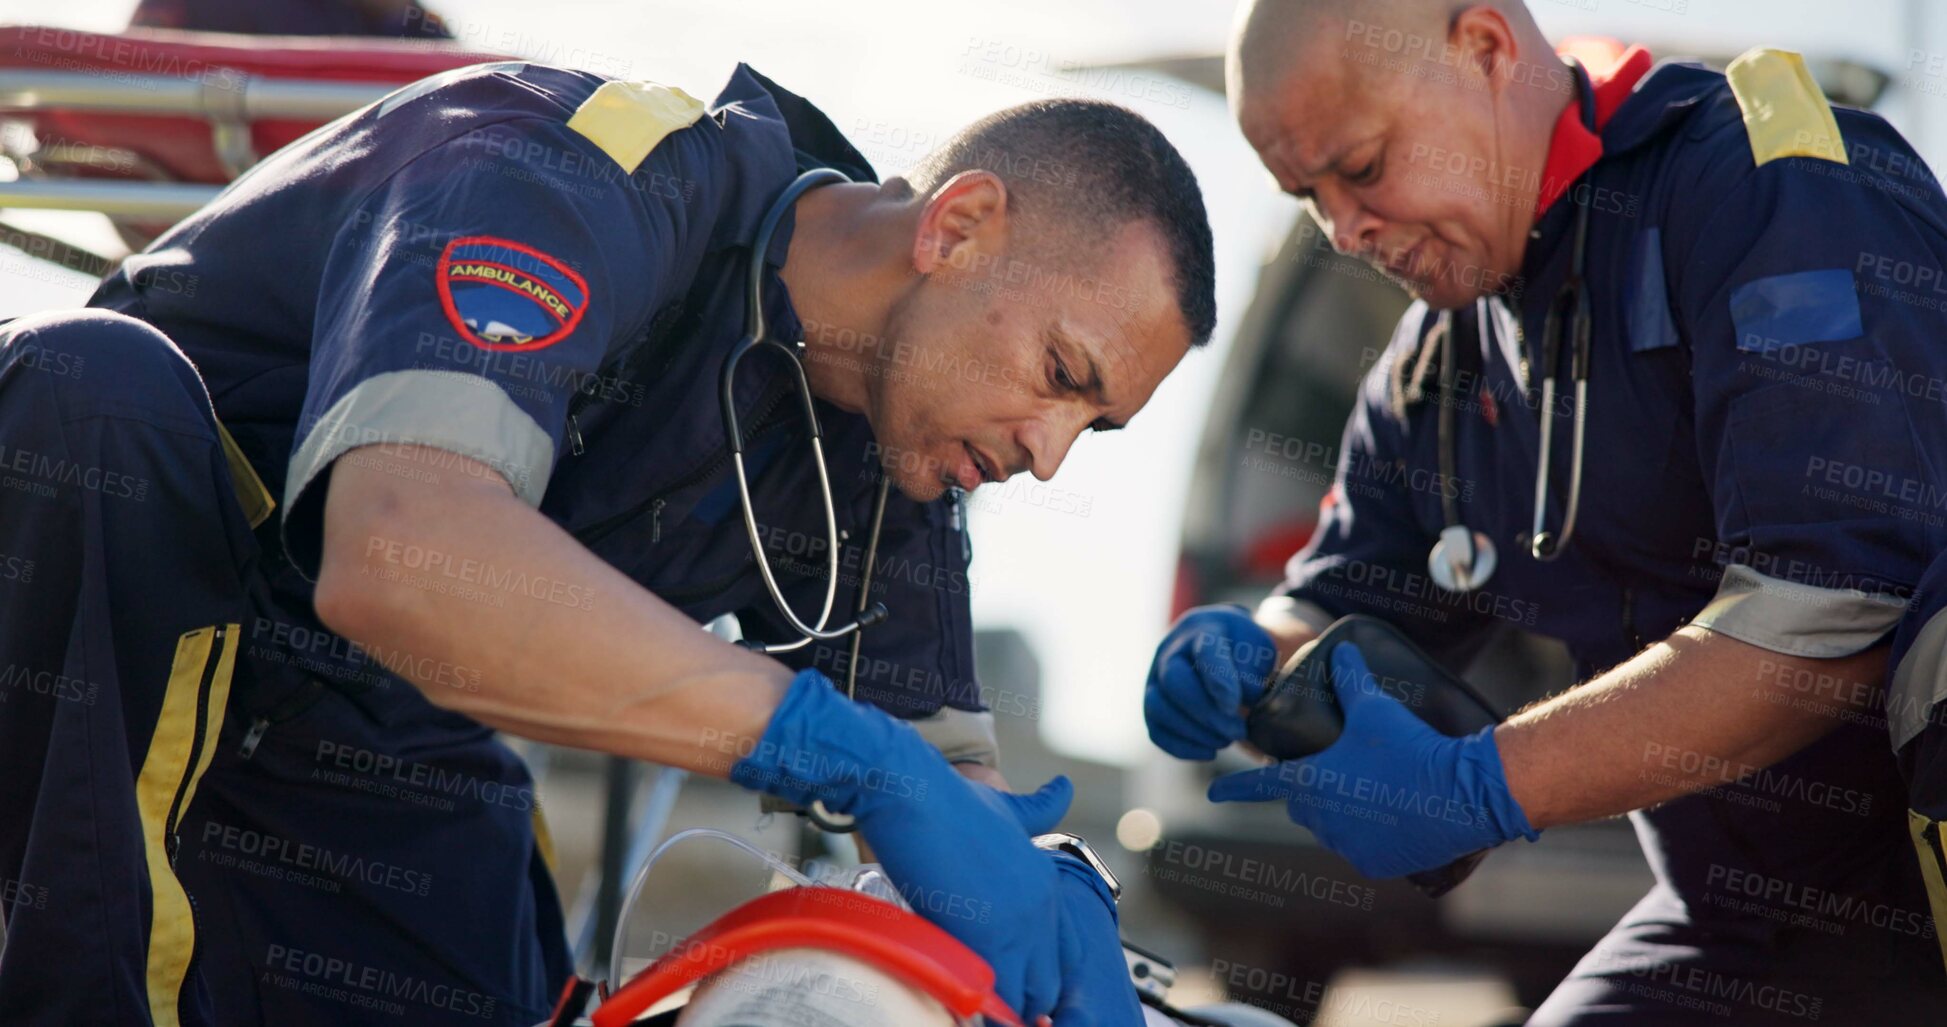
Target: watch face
[{"x": 1075, "y": 846}]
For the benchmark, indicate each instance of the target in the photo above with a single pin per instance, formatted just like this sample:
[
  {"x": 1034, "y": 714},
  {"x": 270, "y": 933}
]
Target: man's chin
[
  {"x": 918, "y": 488},
  {"x": 1443, "y": 295}
]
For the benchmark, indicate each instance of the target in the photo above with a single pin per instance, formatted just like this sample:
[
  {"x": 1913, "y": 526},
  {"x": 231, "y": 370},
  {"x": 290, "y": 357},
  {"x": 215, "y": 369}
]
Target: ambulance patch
[{"x": 501, "y": 295}]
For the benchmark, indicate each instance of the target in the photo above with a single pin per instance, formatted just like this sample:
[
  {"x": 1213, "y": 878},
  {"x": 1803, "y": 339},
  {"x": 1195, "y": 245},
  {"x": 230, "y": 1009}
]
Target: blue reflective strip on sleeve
[
  {"x": 1651, "y": 326},
  {"x": 1796, "y": 309}
]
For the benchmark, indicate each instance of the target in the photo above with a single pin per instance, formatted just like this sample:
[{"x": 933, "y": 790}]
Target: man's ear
[
  {"x": 963, "y": 223},
  {"x": 1482, "y": 38}
]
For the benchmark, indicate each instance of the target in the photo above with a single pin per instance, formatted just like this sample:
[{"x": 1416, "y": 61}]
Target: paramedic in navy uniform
[
  {"x": 1739, "y": 563},
  {"x": 414, "y": 433}
]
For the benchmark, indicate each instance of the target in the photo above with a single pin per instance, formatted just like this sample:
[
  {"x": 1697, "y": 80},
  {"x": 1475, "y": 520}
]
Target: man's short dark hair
[{"x": 1094, "y": 167}]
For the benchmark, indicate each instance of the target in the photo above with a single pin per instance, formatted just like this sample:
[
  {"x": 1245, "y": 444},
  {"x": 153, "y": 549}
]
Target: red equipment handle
[{"x": 872, "y": 930}]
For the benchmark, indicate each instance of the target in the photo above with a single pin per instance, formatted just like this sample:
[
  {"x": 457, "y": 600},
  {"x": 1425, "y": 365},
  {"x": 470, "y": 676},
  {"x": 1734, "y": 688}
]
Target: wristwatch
[
  {"x": 1150, "y": 974},
  {"x": 1073, "y": 845}
]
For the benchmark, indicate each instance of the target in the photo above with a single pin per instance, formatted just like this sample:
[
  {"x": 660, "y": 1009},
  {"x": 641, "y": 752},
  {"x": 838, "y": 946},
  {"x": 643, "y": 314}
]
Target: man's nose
[
  {"x": 1047, "y": 439},
  {"x": 1353, "y": 229}
]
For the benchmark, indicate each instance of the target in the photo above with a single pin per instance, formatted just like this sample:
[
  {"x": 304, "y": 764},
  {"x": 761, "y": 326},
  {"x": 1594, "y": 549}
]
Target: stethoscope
[
  {"x": 755, "y": 335},
  {"x": 1463, "y": 560},
  {"x": 867, "y": 613}
]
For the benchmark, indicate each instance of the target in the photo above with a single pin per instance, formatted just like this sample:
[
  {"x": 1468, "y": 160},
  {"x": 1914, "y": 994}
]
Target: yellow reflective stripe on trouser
[
  {"x": 251, "y": 493},
  {"x": 544, "y": 839},
  {"x": 1933, "y": 869},
  {"x": 179, "y": 752}
]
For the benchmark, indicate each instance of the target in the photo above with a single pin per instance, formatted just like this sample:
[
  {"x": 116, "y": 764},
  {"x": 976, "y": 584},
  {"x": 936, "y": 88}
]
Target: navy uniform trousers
[{"x": 211, "y": 810}]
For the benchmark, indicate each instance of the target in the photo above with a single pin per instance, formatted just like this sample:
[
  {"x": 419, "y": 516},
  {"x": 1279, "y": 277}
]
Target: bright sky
[{"x": 899, "y": 75}]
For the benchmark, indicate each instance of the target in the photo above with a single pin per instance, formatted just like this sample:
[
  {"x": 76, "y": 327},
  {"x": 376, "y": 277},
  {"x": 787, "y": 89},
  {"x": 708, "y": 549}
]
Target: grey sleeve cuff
[
  {"x": 1919, "y": 683},
  {"x": 961, "y": 736},
  {"x": 1797, "y": 620},
  {"x": 449, "y": 410},
  {"x": 1304, "y": 611}
]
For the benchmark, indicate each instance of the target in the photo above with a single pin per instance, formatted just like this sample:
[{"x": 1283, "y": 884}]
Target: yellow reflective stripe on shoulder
[
  {"x": 251, "y": 493},
  {"x": 628, "y": 119},
  {"x": 1785, "y": 112},
  {"x": 193, "y": 703}
]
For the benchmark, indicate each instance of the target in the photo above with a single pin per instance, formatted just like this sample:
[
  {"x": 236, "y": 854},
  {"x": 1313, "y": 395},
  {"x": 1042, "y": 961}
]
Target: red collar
[{"x": 1574, "y": 148}]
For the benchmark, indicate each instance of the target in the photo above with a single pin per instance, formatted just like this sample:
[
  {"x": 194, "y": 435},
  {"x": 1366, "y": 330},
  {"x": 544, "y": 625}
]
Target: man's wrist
[
  {"x": 1497, "y": 784},
  {"x": 1077, "y": 869},
  {"x": 981, "y": 773},
  {"x": 1290, "y": 623},
  {"x": 812, "y": 739}
]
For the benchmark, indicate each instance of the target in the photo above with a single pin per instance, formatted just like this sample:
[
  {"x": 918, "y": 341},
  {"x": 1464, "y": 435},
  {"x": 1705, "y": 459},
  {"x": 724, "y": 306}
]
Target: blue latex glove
[
  {"x": 958, "y": 851},
  {"x": 1392, "y": 795},
  {"x": 1213, "y": 663},
  {"x": 1095, "y": 987}
]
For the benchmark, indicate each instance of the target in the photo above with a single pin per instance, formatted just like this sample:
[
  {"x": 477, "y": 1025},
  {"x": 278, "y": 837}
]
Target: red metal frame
[
  {"x": 183, "y": 146},
  {"x": 865, "y": 928}
]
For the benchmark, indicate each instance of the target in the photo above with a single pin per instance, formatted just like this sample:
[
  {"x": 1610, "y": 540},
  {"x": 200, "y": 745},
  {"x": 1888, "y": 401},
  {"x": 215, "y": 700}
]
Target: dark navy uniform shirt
[
  {"x": 541, "y": 269},
  {"x": 1766, "y": 455}
]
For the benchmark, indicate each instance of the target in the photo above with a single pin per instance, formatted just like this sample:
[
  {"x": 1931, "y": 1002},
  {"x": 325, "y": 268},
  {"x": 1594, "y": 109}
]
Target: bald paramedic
[{"x": 1660, "y": 337}]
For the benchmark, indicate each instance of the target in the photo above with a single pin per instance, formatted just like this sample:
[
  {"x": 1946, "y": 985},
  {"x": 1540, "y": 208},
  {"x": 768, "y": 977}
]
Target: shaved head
[
  {"x": 1077, "y": 172},
  {"x": 1362, "y": 108},
  {"x": 1268, "y": 33}
]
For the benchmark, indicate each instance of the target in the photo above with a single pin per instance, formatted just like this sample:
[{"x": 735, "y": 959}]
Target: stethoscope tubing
[
  {"x": 1571, "y": 302},
  {"x": 755, "y": 335}
]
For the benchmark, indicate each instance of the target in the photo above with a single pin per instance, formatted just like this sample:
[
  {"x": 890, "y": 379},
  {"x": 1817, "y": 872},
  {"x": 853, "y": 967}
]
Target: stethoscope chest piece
[
  {"x": 1464, "y": 560},
  {"x": 1461, "y": 561}
]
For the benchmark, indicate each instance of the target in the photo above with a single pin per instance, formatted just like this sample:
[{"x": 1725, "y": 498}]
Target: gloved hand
[
  {"x": 958, "y": 851},
  {"x": 1095, "y": 987},
  {"x": 1392, "y": 795},
  {"x": 1212, "y": 663}
]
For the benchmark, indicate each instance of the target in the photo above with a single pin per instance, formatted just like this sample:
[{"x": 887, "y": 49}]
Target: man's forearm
[
  {"x": 1696, "y": 710},
  {"x": 587, "y": 659}
]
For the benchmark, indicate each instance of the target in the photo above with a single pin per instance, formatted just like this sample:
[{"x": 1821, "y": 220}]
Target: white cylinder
[{"x": 809, "y": 988}]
